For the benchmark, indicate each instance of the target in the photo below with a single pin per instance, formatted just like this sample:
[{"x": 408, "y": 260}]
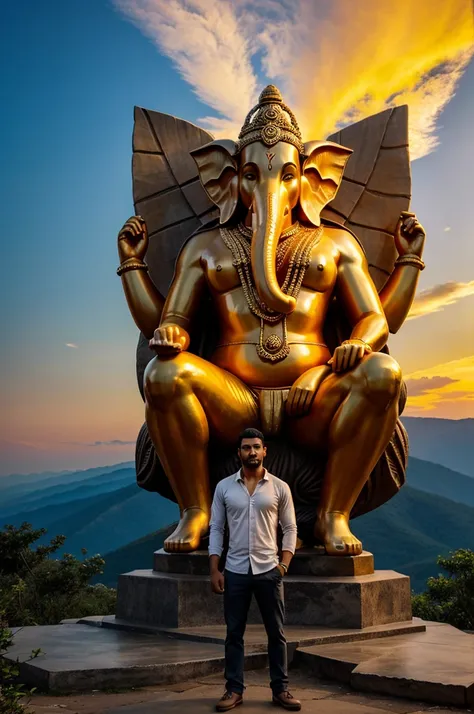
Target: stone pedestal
[{"x": 342, "y": 592}]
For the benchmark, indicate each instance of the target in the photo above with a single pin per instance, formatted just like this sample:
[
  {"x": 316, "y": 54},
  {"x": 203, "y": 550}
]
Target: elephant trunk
[{"x": 269, "y": 213}]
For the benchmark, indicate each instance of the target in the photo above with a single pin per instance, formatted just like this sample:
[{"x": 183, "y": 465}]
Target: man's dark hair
[{"x": 251, "y": 434}]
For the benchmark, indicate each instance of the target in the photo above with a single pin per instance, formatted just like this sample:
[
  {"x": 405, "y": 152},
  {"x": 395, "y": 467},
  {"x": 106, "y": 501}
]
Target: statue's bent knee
[
  {"x": 166, "y": 378},
  {"x": 382, "y": 377}
]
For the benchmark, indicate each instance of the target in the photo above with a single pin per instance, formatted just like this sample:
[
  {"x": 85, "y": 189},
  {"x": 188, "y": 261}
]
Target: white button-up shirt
[{"x": 253, "y": 522}]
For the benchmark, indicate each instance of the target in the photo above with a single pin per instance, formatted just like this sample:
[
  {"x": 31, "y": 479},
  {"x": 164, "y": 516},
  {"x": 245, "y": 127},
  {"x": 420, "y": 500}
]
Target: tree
[
  {"x": 36, "y": 589},
  {"x": 450, "y": 598}
]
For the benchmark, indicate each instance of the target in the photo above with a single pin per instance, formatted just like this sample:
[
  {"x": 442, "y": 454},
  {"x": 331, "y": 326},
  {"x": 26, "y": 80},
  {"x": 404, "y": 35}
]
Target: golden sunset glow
[
  {"x": 443, "y": 390},
  {"x": 436, "y": 298},
  {"x": 335, "y": 62},
  {"x": 388, "y": 54}
]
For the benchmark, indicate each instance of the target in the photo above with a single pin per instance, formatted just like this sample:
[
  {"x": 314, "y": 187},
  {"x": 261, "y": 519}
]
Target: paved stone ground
[{"x": 318, "y": 697}]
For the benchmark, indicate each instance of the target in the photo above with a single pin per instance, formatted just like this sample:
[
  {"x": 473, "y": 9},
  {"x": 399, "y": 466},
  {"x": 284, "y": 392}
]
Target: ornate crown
[{"x": 270, "y": 121}]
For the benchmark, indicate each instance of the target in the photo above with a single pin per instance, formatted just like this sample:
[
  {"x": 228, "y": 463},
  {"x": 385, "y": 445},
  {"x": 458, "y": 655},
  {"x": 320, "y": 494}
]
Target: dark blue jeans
[{"x": 268, "y": 591}]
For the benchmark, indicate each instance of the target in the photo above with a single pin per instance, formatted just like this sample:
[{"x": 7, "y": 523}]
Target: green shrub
[
  {"x": 450, "y": 598},
  {"x": 36, "y": 589},
  {"x": 11, "y": 692}
]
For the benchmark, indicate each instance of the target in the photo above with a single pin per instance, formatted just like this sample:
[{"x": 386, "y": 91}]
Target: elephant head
[{"x": 275, "y": 178}]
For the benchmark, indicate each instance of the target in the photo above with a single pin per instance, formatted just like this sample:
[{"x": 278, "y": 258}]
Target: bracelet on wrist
[
  {"x": 411, "y": 259},
  {"x": 358, "y": 339},
  {"x": 285, "y": 567},
  {"x": 131, "y": 264}
]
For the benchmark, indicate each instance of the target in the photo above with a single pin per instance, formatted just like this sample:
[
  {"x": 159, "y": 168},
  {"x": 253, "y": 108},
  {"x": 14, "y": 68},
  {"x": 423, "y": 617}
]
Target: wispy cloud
[
  {"x": 447, "y": 229},
  {"x": 336, "y": 62},
  {"x": 72, "y": 345},
  {"x": 113, "y": 442},
  {"x": 423, "y": 385},
  {"x": 436, "y": 298},
  {"x": 445, "y": 390},
  {"x": 206, "y": 42}
]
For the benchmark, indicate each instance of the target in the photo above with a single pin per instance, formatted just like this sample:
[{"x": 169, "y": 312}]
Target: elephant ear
[
  {"x": 167, "y": 191},
  {"x": 219, "y": 175},
  {"x": 376, "y": 186},
  {"x": 321, "y": 175}
]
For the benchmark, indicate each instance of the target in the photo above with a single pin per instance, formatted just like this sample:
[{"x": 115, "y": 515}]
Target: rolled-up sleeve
[
  {"x": 287, "y": 518},
  {"x": 217, "y": 525}
]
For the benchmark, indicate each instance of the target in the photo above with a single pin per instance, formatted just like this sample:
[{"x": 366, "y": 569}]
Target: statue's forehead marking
[{"x": 270, "y": 155}]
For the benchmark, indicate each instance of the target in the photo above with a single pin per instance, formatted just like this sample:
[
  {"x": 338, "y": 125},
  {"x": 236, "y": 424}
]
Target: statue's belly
[{"x": 242, "y": 361}]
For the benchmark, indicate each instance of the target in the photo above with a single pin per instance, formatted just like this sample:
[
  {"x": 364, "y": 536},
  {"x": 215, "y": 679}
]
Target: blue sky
[{"x": 72, "y": 73}]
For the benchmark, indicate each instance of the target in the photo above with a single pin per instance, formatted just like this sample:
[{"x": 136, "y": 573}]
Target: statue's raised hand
[
  {"x": 409, "y": 235},
  {"x": 133, "y": 239},
  {"x": 169, "y": 340}
]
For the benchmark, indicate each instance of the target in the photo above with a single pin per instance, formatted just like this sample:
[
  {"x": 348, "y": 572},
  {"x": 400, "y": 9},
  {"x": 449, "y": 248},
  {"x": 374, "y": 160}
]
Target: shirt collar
[{"x": 238, "y": 477}]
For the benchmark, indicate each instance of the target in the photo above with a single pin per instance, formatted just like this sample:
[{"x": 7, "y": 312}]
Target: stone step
[
  {"x": 256, "y": 637},
  {"x": 306, "y": 561},
  {"x": 77, "y": 658},
  {"x": 434, "y": 666},
  {"x": 183, "y": 600}
]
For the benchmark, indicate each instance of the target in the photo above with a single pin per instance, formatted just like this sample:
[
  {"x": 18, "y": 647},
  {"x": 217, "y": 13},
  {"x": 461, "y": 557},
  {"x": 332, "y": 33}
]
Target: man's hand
[
  {"x": 303, "y": 391},
  {"x": 409, "y": 235},
  {"x": 133, "y": 239},
  {"x": 281, "y": 570},
  {"x": 347, "y": 355},
  {"x": 169, "y": 339},
  {"x": 217, "y": 582}
]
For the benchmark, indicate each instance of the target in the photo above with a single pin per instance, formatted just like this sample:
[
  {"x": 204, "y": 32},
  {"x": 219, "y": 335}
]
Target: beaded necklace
[{"x": 297, "y": 242}]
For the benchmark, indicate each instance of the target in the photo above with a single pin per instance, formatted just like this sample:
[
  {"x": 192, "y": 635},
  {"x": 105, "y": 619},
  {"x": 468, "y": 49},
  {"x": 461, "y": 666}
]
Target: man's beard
[{"x": 252, "y": 463}]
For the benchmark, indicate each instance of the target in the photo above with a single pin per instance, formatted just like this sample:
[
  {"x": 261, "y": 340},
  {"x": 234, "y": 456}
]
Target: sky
[{"x": 72, "y": 73}]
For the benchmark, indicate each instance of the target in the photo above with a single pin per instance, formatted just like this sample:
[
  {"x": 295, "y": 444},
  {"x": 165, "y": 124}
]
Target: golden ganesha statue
[{"x": 278, "y": 313}]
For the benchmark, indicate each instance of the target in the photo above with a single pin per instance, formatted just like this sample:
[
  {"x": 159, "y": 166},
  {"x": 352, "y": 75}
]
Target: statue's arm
[
  {"x": 188, "y": 285},
  {"x": 398, "y": 293},
  {"x": 144, "y": 301},
  {"x": 358, "y": 294}
]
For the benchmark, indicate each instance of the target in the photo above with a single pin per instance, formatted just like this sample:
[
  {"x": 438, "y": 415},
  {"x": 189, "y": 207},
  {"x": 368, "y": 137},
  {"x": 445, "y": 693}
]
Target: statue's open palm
[{"x": 133, "y": 239}]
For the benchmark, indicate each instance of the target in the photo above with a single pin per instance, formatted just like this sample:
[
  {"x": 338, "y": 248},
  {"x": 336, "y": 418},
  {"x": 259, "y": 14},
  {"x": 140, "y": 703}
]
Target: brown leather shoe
[
  {"x": 287, "y": 701},
  {"x": 228, "y": 701}
]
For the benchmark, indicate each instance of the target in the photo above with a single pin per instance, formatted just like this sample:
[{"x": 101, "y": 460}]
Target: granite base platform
[
  {"x": 255, "y": 635},
  {"x": 342, "y": 592},
  {"x": 435, "y": 666},
  {"x": 77, "y": 658}
]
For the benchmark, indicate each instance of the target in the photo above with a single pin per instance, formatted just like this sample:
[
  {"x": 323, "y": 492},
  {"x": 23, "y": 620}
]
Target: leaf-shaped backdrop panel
[
  {"x": 376, "y": 186},
  {"x": 167, "y": 191}
]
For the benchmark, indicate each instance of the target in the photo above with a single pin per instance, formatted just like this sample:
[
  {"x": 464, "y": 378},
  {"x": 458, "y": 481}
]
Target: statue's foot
[
  {"x": 332, "y": 529},
  {"x": 186, "y": 537}
]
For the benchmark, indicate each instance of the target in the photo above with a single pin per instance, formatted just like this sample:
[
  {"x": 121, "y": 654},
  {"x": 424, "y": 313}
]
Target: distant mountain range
[
  {"x": 97, "y": 509},
  {"x": 16, "y": 485},
  {"x": 409, "y": 532},
  {"x": 104, "y": 511},
  {"x": 449, "y": 442}
]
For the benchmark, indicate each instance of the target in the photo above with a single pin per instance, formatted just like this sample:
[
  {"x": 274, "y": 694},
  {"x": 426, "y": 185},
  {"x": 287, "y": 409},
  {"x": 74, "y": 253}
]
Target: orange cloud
[
  {"x": 336, "y": 62},
  {"x": 446, "y": 390},
  {"x": 358, "y": 58},
  {"x": 423, "y": 385},
  {"x": 436, "y": 298}
]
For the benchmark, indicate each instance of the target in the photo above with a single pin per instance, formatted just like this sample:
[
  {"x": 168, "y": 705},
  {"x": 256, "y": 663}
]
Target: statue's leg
[
  {"x": 352, "y": 419},
  {"x": 187, "y": 399}
]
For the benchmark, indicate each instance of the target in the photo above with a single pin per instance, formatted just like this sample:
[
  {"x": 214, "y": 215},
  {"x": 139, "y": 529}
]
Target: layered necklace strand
[{"x": 297, "y": 242}]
